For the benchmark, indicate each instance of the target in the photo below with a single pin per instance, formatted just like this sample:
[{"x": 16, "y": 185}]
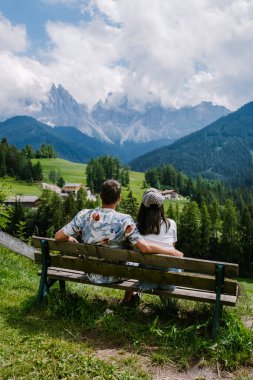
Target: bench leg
[
  {"x": 62, "y": 286},
  {"x": 217, "y": 307},
  {"x": 43, "y": 287}
]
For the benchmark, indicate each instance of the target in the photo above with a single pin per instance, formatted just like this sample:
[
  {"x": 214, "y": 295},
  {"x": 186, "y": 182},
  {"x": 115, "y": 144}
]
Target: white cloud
[
  {"x": 23, "y": 84},
  {"x": 181, "y": 52},
  {"x": 12, "y": 38},
  {"x": 82, "y": 59}
]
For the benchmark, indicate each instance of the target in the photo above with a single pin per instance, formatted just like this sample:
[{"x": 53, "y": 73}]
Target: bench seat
[{"x": 178, "y": 292}]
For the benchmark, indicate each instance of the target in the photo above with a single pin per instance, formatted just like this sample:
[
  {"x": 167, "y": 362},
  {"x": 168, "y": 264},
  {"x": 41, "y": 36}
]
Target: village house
[
  {"x": 72, "y": 188},
  {"x": 25, "y": 200},
  {"x": 170, "y": 194}
]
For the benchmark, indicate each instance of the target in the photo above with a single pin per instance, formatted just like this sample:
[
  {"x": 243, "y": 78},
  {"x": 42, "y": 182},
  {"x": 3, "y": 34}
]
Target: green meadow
[{"x": 71, "y": 172}]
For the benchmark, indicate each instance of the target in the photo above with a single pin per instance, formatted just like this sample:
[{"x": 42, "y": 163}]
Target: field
[
  {"x": 88, "y": 335},
  {"x": 71, "y": 172}
]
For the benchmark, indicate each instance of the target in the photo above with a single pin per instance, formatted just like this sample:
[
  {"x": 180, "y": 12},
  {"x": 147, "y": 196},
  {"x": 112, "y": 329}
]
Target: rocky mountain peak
[{"x": 117, "y": 120}]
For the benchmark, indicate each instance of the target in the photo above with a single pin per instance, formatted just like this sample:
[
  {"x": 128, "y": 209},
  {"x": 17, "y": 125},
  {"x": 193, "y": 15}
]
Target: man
[{"x": 105, "y": 226}]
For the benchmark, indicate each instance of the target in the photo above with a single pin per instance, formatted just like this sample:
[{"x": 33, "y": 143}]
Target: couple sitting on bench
[{"x": 105, "y": 226}]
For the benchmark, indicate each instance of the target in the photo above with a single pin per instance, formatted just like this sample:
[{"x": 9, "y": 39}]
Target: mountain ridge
[
  {"x": 118, "y": 121},
  {"x": 69, "y": 142},
  {"x": 222, "y": 149}
]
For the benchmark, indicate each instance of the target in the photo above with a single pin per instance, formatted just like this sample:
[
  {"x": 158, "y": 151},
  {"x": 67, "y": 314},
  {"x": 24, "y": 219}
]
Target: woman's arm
[{"x": 147, "y": 247}]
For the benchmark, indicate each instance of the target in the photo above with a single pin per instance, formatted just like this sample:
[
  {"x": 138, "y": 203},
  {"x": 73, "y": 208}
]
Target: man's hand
[
  {"x": 61, "y": 236},
  {"x": 71, "y": 239}
]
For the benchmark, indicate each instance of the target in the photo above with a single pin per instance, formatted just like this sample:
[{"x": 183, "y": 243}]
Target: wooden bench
[{"x": 201, "y": 280}]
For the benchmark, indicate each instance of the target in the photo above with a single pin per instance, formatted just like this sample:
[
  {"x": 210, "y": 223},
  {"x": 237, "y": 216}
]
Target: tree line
[
  {"x": 15, "y": 163},
  {"x": 52, "y": 213},
  {"x": 217, "y": 221},
  {"x": 102, "y": 168},
  {"x": 45, "y": 151}
]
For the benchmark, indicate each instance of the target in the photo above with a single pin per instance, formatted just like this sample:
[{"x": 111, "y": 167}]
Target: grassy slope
[
  {"x": 74, "y": 172},
  {"x": 87, "y": 335},
  {"x": 71, "y": 172}
]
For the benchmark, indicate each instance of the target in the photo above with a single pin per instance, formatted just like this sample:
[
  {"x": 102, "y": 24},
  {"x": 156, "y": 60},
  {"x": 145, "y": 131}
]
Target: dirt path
[{"x": 166, "y": 372}]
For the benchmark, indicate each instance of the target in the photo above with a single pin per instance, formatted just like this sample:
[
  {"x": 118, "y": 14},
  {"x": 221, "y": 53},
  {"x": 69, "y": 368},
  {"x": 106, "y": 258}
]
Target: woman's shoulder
[{"x": 171, "y": 222}]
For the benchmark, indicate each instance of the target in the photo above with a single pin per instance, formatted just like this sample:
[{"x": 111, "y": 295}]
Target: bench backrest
[{"x": 197, "y": 274}]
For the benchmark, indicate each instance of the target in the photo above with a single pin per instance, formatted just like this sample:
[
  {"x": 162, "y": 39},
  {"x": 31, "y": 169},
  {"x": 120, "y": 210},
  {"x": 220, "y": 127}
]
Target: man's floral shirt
[{"x": 103, "y": 226}]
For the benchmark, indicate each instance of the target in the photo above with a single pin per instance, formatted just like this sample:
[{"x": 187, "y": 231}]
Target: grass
[
  {"x": 75, "y": 173},
  {"x": 87, "y": 335},
  {"x": 70, "y": 171},
  {"x": 21, "y": 187}
]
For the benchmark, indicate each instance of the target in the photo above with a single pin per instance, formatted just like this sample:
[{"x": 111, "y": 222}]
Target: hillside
[
  {"x": 71, "y": 172},
  {"x": 221, "y": 150},
  {"x": 69, "y": 142}
]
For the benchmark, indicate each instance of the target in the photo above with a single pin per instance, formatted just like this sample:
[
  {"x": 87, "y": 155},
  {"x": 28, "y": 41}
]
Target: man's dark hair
[{"x": 110, "y": 191}]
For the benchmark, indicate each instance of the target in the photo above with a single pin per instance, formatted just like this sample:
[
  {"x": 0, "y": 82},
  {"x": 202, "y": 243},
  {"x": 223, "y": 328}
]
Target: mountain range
[
  {"x": 116, "y": 121},
  {"x": 223, "y": 150},
  {"x": 112, "y": 127}
]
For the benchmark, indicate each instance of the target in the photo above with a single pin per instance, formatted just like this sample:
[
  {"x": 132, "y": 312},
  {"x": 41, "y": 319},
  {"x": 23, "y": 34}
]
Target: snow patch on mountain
[{"x": 116, "y": 120}]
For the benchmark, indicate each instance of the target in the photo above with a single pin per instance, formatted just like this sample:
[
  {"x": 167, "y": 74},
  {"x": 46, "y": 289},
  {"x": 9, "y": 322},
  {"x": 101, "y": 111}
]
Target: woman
[{"x": 156, "y": 228}]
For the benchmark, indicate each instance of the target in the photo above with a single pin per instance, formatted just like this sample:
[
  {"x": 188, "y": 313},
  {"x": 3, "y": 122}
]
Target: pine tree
[
  {"x": 69, "y": 208},
  {"x": 37, "y": 172},
  {"x": 215, "y": 219},
  {"x": 246, "y": 239},
  {"x": 60, "y": 182},
  {"x": 189, "y": 230},
  {"x": 205, "y": 232},
  {"x": 230, "y": 248},
  {"x": 4, "y": 211},
  {"x": 49, "y": 216},
  {"x": 129, "y": 205},
  {"x": 17, "y": 214},
  {"x": 81, "y": 199},
  {"x": 170, "y": 212},
  {"x": 53, "y": 175}
]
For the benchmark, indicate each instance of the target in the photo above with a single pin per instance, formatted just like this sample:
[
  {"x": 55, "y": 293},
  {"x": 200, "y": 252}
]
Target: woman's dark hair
[{"x": 149, "y": 219}]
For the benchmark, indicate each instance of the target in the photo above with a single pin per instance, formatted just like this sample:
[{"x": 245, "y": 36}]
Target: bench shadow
[{"x": 97, "y": 322}]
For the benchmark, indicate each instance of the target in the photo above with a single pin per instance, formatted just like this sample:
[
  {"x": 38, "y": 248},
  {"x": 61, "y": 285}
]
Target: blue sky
[
  {"x": 175, "y": 52},
  {"x": 34, "y": 14}
]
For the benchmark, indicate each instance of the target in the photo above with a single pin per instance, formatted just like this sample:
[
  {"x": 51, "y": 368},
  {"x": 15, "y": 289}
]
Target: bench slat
[
  {"x": 203, "y": 266},
  {"x": 183, "y": 293},
  {"x": 121, "y": 270}
]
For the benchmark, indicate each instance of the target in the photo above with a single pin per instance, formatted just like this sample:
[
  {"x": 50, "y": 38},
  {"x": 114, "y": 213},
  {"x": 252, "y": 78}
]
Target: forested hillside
[
  {"x": 221, "y": 150},
  {"x": 69, "y": 142}
]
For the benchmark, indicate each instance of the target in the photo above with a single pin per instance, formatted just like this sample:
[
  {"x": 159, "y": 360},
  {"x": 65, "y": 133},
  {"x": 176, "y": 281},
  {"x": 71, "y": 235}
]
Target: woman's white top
[{"x": 166, "y": 238}]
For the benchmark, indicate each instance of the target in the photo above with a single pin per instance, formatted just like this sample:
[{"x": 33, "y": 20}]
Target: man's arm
[
  {"x": 61, "y": 236},
  {"x": 147, "y": 247}
]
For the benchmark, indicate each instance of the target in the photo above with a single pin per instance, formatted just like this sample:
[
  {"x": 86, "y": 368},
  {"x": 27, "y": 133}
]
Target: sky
[{"x": 177, "y": 52}]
